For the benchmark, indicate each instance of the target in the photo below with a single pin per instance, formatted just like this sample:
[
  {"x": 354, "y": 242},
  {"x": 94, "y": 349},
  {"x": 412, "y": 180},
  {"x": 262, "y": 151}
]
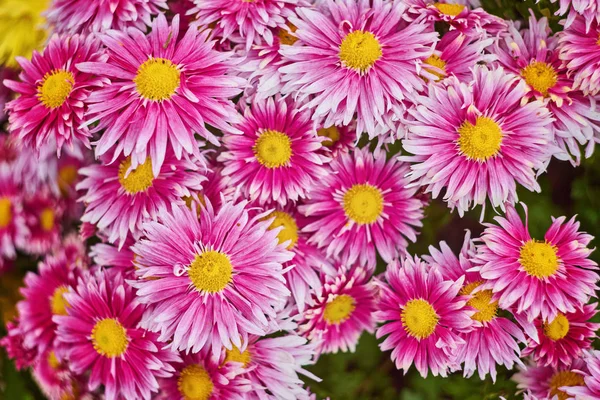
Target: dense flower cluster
[{"x": 233, "y": 169}]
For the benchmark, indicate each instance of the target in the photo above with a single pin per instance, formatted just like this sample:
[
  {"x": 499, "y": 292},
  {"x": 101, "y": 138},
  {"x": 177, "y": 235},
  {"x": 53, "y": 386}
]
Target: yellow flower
[{"x": 22, "y": 29}]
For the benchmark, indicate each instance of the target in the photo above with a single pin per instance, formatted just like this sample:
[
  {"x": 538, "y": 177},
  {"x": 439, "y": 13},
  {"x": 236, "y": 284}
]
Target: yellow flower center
[
  {"x": 449, "y": 9},
  {"x": 360, "y": 50},
  {"x": 273, "y": 149},
  {"x": 287, "y": 38},
  {"x": 332, "y": 133},
  {"x": 539, "y": 259},
  {"x": 58, "y": 304},
  {"x": 236, "y": 355},
  {"x": 558, "y": 328},
  {"x": 435, "y": 61},
  {"x": 561, "y": 379},
  {"x": 47, "y": 219},
  {"x": 480, "y": 141},
  {"x": 109, "y": 338},
  {"x": 157, "y": 79},
  {"x": 194, "y": 383},
  {"x": 481, "y": 301},
  {"x": 363, "y": 203},
  {"x": 5, "y": 212},
  {"x": 138, "y": 180},
  {"x": 66, "y": 177},
  {"x": 540, "y": 76},
  {"x": 53, "y": 361},
  {"x": 55, "y": 88},
  {"x": 290, "y": 228},
  {"x": 210, "y": 271},
  {"x": 419, "y": 318},
  {"x": 339, "y": 309}
]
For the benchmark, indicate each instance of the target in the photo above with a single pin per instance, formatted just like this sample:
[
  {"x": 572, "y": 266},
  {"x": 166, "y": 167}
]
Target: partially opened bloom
[
  {"x": 563, "y": 339},
  {"x": 72, "y": 16},
  {"x": 494, "y": 338},
  {"x": 53, "y": 93},
  {"x": 579, "y": 50},
  {"x": 43, "y": 298},
  {"x": 590, "y": 387},
  {"x": 539, "y": 277},
  {"x": 216, "y": 278},
  {"x": 341, "y": 311},
  {"x": 277, "y": 158},
  {"x": 355, "y": 57},
  {"x": 164, "y": 89},
  {"x": 100, "y": 334},
  {"x": 13, "y": 231},
  {"x": 22, "y": 29},
  {"x": 551, "y": 383},
  {"x": 273, "y": 366},
  {"x": 119, "y": 198},
  {"x": 244, "y": 21},
  {"x": 339, "y": 139},
  {"x": 422, "y": 316},
  {"x": 12, "y": 343},
  {"x": 202, "y": 377},
  {"x": 476, "y": 141},
  {"x": 362, "y": 207}
]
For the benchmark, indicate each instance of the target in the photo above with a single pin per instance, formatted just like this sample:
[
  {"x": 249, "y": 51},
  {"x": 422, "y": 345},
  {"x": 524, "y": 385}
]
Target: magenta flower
[
  {"x": 43, "y": 214},
  {"x": 590, "y": 387},
  {"x": 22, "y": 356},
  {"x": 578, "y": 47},
  {"x": 13, "y": 230},
  {"x": 543, "y": 383},
  {"x": 54, "y": 93}
]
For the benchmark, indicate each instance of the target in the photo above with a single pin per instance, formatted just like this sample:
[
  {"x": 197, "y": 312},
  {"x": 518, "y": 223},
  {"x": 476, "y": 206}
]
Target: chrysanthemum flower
[
  {"x": 539, "y": 277},
  {"x": 72, "y": 16},
  {"x": 22, "y": 356},
  {"x": 355, "y": 57},
  {"x": 423, "y": 316},
  {"x": 53, "y": 93},
  {"x": 54, "y": 378},
  {"x": 120, "y": 198},
  {"x": 160, "y": 91},
  {"x": 533, "y": 55},
  {"x": 13, "y": 231},
  {"x": 215, "y": 278},
  {"x": 106, "y": 255},
  {"x": 563, "y": 339},
  {"x": 42, "y": 213},
  {"x": 362, "y": 207},
  {"x": 589, "y": 9},
  {"x": 277, "y": 157},
  {"x": 550, "y": 383},
  {"x": 455, "y": 55},
  {"x": 578, "y": 46},
  {"x": 494, "y": 339},
  {"x": 590, "y": 387},
  {"x": 43, "y": 298},
  {"x": 100, "y": 334},
  {"x": 202, "y": 377},
  {"x": 272, "y": 365},
  {"x": 341, "y": 311},
  {"x": 22, "y": 29},
  {"x": 476, "y": 141},
  {"x": 244, "y": 21},
  {"x": 339, "y": 139}
]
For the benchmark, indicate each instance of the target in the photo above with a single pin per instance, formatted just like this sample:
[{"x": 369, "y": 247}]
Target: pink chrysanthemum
[
  {"x": 563, "y": 339},
  {"x": 455, "y": 55},
  {"x": 160, "y": 91},
  {"x": 106, "y": 255},
  {"x": 22, "y": 356},
  {"x": 533, "y": 55},
  {"x": 540, "y": 278},
  {"x": 362, "y": 207},
  {"x": 201, "y": 376},
  {"x": 590, "y": 387},
  {"x": 43, "y": 215},
  {"x": 494, "y": 339},
  {"x": 13, "y": 231},
  {"x": 120, "y": 198},
  {"x": 100, "y": 334},
  {"x": 339, "y": 139},
  {"x": 476, "y": 141},
  {"x": 589, "y": 9},
  {"x": 54, "y": 93},
  {"x": 547, "y": 383},
  {"x": 341, "y": 311},
  {"x": 580, "y": 52},
  {"x": 44, "y": 297},
  {"x": 272, "y": 365},
  {"x": 223, "y": 268},
  {"x": 277, "y": 157},
  {"x": 54, "y": 378},
  {"x": 423, "y": 316},
  {"x": 356, "y": 57},
  {"x": 244, "y": 21},
  {"x": 72, "y": 16}
]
